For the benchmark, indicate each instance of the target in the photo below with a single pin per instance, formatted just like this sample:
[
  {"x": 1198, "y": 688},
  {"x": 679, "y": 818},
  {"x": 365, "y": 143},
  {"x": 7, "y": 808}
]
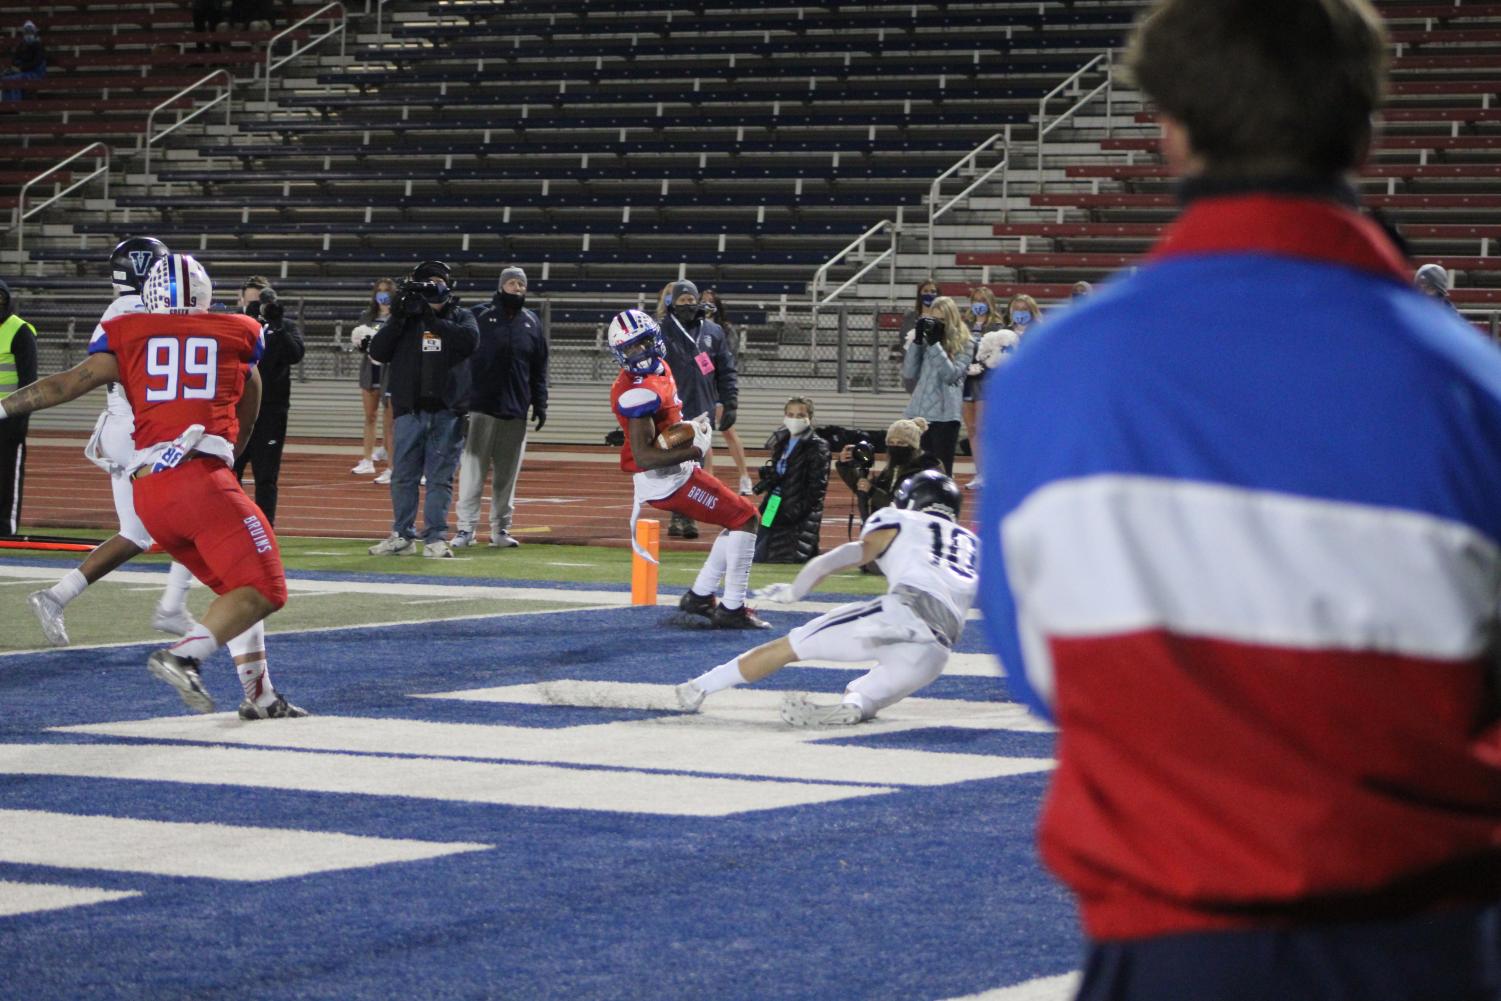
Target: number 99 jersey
[
  {"x": 930, "y": 553},
  {"x": 180, "y": 370}
]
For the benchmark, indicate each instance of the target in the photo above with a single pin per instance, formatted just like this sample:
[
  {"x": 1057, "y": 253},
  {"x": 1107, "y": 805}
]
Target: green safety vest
[{"x": 10, "y": 379}]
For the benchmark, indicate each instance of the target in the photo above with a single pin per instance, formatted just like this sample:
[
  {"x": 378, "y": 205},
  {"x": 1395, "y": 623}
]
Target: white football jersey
[
  {"x": 115, "y": 402},
  {"x": 931, "y": 554}
]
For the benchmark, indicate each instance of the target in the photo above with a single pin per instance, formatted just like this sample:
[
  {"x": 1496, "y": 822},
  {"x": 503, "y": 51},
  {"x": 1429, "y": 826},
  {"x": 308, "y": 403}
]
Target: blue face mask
[
  {"x": 928, "y": 298},
  {"x": 979, "y": 308},
  {"x": 383, "y": 298},
  {"x": 1021, "y": 317}
]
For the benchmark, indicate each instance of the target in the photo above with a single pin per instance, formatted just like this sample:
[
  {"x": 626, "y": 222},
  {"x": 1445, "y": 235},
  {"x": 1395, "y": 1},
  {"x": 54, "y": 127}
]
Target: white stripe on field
[
  {"x": 1059, "y": 988},
  {"x": 28, "y": 898}
]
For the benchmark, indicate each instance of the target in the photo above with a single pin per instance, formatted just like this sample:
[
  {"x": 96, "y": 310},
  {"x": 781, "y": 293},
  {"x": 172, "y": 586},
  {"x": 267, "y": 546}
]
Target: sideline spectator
[
  {"x": 1255, "y": 581},
  {"x": 18, "y": 367},
  {"x": 28, "y": 61},
  {"x": 373, "y": 377},
  {"x": 726, "y": 418},
  {"x": 702, "y": 367},
  {"x": 425, "y": 343},
  {"x": 922, "y": 305},
  {"x": 933, "y": 368},
  {"x": 983, "y": 318},
  {"x": 507, "y": 376},
  {"x": 793, "y": 483},
  {"x": 283, "y": 349},
  {"x": 905, "y": 455},
  {"x": 1433, "y": 281}
]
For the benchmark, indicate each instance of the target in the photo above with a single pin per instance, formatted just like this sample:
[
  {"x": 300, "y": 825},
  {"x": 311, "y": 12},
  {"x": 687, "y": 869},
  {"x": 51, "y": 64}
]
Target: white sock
[
  {"x": 726, "y": 675},
  {"x": 739, "y": 551},
  {"x": 70, "y": 587},
  {"x": 175, "y": 595},
  {"x": 713, "y": 568},
  {"x": 196, "y": 645},
  {"x": 255, "y": 676}
]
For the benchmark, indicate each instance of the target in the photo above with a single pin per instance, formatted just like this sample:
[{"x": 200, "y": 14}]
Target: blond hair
[{"x": 955, "y": 330}]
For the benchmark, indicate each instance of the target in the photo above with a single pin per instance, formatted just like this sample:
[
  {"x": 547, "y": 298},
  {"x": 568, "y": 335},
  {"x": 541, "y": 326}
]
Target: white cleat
[
  {"x": 178, "y": 623},
  {"x": 690, "y": 696},
  {"x": 182, "y": 674},
  {"x": 799, "y": 710},
  {"x": 49, "y": 615}
]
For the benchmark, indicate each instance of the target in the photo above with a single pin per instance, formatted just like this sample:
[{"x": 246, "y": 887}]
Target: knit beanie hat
[
  {"x": 682, "y": 287},
  {"x": 512, "y": 272},
  {"x": 906, "y": 432}
]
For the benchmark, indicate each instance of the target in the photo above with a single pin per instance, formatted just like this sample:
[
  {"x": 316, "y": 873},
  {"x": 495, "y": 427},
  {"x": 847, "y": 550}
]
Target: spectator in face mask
[
  {"x": 792, "y": 487},
  {"x": 922, "y": 305},
  {"x": 702, "y": 366},
  {"x": 373, "y": 377},
  {"x": 1022, "y": 312},
  {"x": 905, "y": 456},
  {"x": 983, "y": 318},
  {"x": 507, "y": 376},
  {"x": 934, "y": 366},
  {"x": 284, "y": 348}
]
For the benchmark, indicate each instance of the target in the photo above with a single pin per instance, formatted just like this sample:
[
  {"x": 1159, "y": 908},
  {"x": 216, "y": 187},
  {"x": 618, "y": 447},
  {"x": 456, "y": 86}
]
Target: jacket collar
[{"x": 1318, "y": 223}]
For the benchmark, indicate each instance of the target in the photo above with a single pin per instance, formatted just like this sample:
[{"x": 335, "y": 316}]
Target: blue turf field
[{"x": 925, "y": 891}]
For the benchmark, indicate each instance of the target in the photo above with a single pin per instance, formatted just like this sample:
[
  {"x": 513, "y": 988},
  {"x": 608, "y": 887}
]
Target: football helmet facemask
[{"x": 636, "y": 342}]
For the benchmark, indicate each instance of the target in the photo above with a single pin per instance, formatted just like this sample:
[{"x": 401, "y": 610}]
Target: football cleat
[
  {"x": 799, "y": 710},
  {"x": 698, "y": 604},
  {"x": 178, "y": 623},
  {"x": 394, "y": 545},
  {"x": 49, "y": 615},
  {"x": 690, "y": 696},
  {"x": 743, "y": 617},
  {"x": 182, "y": 674},
  {"x": 280, "y": 709}
]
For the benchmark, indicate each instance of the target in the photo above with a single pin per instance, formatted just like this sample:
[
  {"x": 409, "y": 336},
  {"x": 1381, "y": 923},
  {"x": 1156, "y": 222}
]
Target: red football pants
[{"x": 703, "y": 498}]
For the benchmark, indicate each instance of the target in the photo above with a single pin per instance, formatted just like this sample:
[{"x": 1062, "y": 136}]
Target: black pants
[
  {"x": 12, "y": 474},
  {"x": 942, "y": 439},
  {"x": 263, "y": 454}
]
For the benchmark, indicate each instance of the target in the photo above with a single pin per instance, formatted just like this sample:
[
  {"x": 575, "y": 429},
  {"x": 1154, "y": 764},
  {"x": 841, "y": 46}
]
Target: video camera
[
  {"x": 267, "y": 309},
  {"x": 930, "y": 330},
  {"x": 414, "y": 297}
]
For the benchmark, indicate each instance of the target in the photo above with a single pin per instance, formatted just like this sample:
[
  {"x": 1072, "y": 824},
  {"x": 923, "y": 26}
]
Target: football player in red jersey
[
  {"x": 645, "y": 400},
  {"x": 191, "y": 381}
]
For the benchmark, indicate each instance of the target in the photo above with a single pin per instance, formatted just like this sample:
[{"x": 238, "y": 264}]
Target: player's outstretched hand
[{"x": 780, "y": 592}]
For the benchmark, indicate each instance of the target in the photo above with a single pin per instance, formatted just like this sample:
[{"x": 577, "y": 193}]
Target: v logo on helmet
[{"x": 141, "y": 261}]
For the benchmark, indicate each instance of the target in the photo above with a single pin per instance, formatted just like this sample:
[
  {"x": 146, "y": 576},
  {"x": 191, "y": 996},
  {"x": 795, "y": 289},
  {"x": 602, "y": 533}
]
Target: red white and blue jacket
[{"x": 1242, "y": 541}]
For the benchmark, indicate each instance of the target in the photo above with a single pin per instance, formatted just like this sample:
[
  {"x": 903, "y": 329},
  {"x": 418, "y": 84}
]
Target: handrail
[
  {"x": 148, "y": 138},
  {"x": 935, "y": 210},
  {"x": 1042, "y": 106},
  {"x": 22, "y": 214},
  {"x": 380, "y": 10},
  {"x": 341, "y": 29},
  {"x": 858, "y": 244}
]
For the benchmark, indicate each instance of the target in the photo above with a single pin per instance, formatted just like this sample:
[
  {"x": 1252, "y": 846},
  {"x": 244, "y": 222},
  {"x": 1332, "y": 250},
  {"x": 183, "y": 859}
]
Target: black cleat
[
  {"x": 698, "y": 604},
  {"x": 182, "y": 674},
  {"x": 280, "y": 709},
  {"x": 743, "y": 617}
]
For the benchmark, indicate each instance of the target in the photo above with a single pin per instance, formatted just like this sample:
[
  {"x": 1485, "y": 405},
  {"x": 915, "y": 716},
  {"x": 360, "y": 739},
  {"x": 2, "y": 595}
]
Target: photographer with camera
[
  {"x": 373, "y": 379},
  {"x": 905, "y": 457},
  {"x": 699, "y": 356},
  {"x": 792, "y": 484},
  {"x": 283, "y": 349},
  {"x": 425, "y": 343},
  {"x": 937, "y": 356}
]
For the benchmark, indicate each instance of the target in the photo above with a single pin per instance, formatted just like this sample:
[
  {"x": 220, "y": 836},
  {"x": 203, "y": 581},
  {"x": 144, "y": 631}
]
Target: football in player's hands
[
  {"x": 780, "y": 592},
  {"x": 681, "y": 433}
]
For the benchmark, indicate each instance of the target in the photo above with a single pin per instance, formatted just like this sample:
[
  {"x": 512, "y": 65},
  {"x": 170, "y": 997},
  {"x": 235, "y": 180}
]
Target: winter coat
[
  {"x": 425, "y": 353},
  {"x": 508, "y": 371},
  {"x": 884, "y": 483},
  {"x": 802, "y": 481},
  {"x": 936, "y": 381},
  {"x": 700, "y": 390}
]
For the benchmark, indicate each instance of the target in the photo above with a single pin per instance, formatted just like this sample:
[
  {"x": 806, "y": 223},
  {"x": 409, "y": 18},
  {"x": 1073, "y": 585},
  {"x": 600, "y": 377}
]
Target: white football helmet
[
  {"x": 636, "y": 342},
  {"x": 177, "y": 284}
]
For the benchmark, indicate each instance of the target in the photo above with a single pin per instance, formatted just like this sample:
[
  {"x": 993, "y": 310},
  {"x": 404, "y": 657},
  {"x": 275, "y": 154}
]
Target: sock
[
  {"x": 255, "y": 676},
  {"x": 726, "y": 675},
  {"x": 713, "y": 568},
  {"x": 175, "y": 595},
  {"x": 740, "y": 549},
  {"x": 196, "y": 645},
  {"x": 70, "y": 587}
]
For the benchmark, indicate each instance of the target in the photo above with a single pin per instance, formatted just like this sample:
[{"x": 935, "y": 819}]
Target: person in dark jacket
[
  {"x": 28, "y": 61},
  {"x": 18, "y": 367},
  {"x": 284, "y": 348},
  {"x": 906, "y": 456},
  {"x": 698, "y": 353},
  {"x": 792, "y": 486},
  {"x": 507, "y": 376},
  {"x": 425, "y": 342}
]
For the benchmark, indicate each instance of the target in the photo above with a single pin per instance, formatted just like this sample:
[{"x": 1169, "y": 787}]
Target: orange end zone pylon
[{"x": 644, "y": 572}]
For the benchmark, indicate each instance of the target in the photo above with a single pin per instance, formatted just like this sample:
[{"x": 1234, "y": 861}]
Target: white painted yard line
[
  {"x": 1059, "y": 988},
  {"x": 29, "y": 898},
  {"x": 532, "y": 785},
  {"x": 700, "y": 744},
  {"x": 210, "y": 851}
]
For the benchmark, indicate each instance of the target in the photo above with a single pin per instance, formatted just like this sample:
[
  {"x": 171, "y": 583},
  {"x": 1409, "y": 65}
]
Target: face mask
[
  {"x": 686, "y": 313},
  {"x": 901, "y": 454},
  {"x": 795, "y": 425},
  {"x": 253, "y": 308},
  {"x": 928, "y": 298},
  {"x": 1021, "y": 317},
  {"x": 383, "y": 298},
  {"x": 512, "y": 300},
  {"x": 979, "y": 308}
]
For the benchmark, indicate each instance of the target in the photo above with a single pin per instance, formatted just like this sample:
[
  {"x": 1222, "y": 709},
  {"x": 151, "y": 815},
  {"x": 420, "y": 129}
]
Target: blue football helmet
[{"x": 636, "y": 342}]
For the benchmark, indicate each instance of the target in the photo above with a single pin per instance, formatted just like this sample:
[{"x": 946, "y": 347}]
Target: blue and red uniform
[
  {"x": 1251, "y": 568},
  {"x": 178, "y": 371}
]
